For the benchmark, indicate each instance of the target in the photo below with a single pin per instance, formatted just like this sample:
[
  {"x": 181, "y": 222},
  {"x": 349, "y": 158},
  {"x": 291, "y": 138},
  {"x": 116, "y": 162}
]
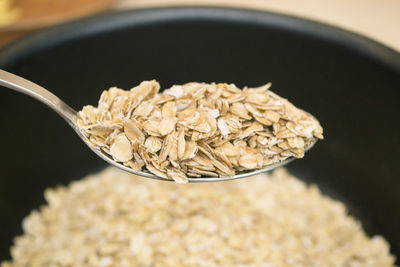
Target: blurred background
[{"x": 377, "y": 19}]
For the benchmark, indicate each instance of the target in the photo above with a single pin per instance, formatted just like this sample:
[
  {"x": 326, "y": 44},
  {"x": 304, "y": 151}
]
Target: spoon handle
[{"x": 24, "y": 86}]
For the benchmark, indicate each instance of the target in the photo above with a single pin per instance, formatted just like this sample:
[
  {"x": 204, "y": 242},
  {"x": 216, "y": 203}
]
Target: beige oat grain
[
  {"x": 179, "y": 123},
  {"x": 118, "y": 220}
]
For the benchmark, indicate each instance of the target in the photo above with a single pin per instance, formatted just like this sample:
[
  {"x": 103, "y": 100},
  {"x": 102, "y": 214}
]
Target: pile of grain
[
  {"x": 115, "y": 219},
  {"x": 197, "y": 129}
]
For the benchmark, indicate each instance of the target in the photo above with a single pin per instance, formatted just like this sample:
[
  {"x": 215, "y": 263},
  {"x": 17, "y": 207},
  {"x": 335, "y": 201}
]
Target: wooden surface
[
  {"x": 36, "y": 14},
  {"x": 377, "y": 19}
]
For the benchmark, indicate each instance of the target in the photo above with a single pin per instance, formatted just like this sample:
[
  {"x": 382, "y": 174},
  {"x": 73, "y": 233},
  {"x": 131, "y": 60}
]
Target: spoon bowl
[{"x": 27, "y": 87}]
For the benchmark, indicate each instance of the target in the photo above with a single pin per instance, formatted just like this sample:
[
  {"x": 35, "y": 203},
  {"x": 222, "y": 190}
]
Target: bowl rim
[{"x": 116, "y": 20}]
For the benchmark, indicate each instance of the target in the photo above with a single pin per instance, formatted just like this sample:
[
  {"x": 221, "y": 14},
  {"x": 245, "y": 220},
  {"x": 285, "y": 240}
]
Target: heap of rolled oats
[
  {"x": 197, "y": 129},
  {"x": 113, "y": 219}
]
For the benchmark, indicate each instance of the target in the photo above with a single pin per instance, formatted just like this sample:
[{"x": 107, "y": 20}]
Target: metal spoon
[{"x": 24, "y": 86}]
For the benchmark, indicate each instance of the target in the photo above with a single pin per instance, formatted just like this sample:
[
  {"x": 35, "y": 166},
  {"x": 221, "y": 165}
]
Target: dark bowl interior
[{"x": 349, "y": 82}]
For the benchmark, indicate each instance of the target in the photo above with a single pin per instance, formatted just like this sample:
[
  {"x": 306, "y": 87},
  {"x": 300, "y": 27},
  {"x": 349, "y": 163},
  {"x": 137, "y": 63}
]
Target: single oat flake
[{"x": 197, "y": 129}]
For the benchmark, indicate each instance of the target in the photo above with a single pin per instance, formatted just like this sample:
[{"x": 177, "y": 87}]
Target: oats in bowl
[{"x": 116, "y": 219}]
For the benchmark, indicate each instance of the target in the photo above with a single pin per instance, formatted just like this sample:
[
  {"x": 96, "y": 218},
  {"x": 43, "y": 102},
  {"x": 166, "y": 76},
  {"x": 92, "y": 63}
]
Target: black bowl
[{"x": 349, "y": 82}]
